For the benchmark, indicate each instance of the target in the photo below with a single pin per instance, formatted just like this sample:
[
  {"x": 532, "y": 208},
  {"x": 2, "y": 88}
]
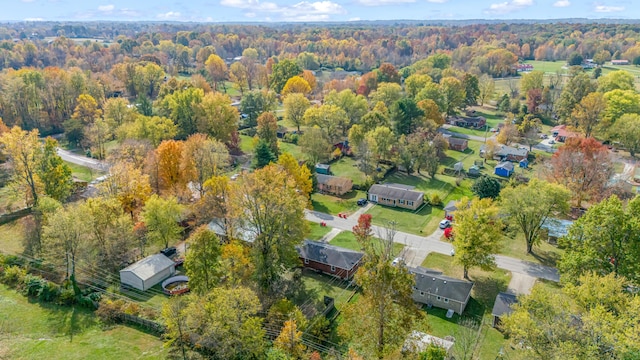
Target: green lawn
[
  {"x": 292, "y": 149},
  {"x": 246, "y": 144},
  {"x": 31, "y": 330},
  {"x": 11, "y": 238},
  {"x": 154, "y": 297},
  {"x": 443, "y": 185},
  {"x": 337, "y": 204},
  {"x": 347, "y": 240},
  {"x": 317, "y": 231},
  {"x": 318, "y": 285},
  {"x": 543, "y": 253},
  {"x": 348, "y": 167},
  {"x": 84, "y": 173},
  {"x": 547, "y": 66},
  {"x": 406, "y": 220},
  {"x": 487, "y": 285}
]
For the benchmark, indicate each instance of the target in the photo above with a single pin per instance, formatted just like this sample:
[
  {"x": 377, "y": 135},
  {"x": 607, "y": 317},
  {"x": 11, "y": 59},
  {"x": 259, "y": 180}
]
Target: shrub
[
  {"x": 13, "y": 275},
  {"x": 49, "y": 292},
  {"x": 109, "y": 311},
  {"x": 131, "y": 309},
  {"x": 435, "y": 200},
  {"x": 67, "y": 296},
  {"x": 32, "y": 285}
]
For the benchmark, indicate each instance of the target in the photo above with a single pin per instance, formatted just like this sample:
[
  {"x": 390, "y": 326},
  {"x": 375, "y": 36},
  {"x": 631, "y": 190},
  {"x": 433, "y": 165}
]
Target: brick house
[
  {"x": 475, "y": 122},
  {"x": 507, "y": 153},
  {"x": 457, "y": 144},
  {"x": 334, "y": 185},
  {"x": 433, "y": 288},
  {"x": 396, "y": 195},
  {"x": 329, "y": 259}
]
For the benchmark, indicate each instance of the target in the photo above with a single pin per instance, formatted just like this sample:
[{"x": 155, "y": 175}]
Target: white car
[{"x": 445, "y": 224}]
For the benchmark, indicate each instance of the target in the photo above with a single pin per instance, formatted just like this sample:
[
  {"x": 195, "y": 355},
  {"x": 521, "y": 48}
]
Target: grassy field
[
  {"x": 337, "y": 204},
  {"x": 548, "y": 66},
  {"x": 347, "y": 240},
  {"x": 317, "y": 231},
  {"x": 31, "y": 330},
  {"x": 347, "y": 167},
  {"x": 543, "y": 253},
  {"x": 487, "y": 286},
  {"x": 406, "y": 220},
  {"x": 11, "y": 238},
  {"x": 84, "y": 173},
  {"x": 246, "y": 144},
  {"x": 318, "y": 285},
  {"x": 292, "y": 149}
]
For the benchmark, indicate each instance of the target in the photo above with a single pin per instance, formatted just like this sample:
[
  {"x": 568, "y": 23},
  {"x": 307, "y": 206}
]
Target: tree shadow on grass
[
  {"x": 547, "y": 258},
  {"x": 486, "y": 288}
]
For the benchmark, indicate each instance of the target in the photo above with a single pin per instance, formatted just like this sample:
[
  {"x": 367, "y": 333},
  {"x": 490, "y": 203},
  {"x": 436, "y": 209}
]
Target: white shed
[{"x": 147, "y": 272}]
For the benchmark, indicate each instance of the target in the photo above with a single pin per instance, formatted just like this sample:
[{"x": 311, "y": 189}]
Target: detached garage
[{"x": 147, "y": 272}]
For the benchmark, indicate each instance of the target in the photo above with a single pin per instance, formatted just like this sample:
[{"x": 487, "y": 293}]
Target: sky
[{"x": 312, "y": 10}]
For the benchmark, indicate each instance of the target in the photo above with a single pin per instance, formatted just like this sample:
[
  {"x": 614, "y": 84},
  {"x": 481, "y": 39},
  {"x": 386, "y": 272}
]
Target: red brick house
[
  {"x": 457, "y": 144},
  {"x": 334, "y": 185},
  {"x": 560, "y": 133},
  {"x": 331, "y": 260}
]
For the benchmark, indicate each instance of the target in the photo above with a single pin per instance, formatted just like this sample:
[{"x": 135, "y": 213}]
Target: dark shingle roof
[
  {"x": 433, "y": 282},
  {"x": 332, "y": 180},
  {"x": 328, "y": 254},
  {"x": 451, "y": 206},
  {"x": 503, "y": 304},
  {"x": 456, "y": 141},
  {"x": 392, "y": 191}
]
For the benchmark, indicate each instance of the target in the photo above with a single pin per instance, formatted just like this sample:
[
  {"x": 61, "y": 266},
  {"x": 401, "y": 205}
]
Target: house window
[
  {"x": 438, "y": 298},
  {"x": 421, "y": 293},
  {"x": 333, "y": 268},
  {"x": 401, "y": 201},
  {"x": 306, "y": 261},
  {"x": 410, "y": 203},
  {"x": 446, "y": 300}
]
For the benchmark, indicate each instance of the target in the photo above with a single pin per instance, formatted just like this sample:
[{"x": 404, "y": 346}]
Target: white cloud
[
  {"x": 106, "y": 8},
  {"x": 34, "y": 19},
  {"x": 354, "y": 19},
  {"x": 302, "y": 11},
  {"x": 171, "y": 15},
  {"x": 28, "y": 1},
  {"x": 508, "y": 6},
  {"x": 562, "y": 3},
  {"x": 437, "y": 1},
  {"x": 383, "y": 2},
  {"x": 608, "y": 9}
]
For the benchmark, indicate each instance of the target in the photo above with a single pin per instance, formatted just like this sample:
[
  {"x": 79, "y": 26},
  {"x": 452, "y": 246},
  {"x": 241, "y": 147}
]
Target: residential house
[
  {"x": 524, "y": 163},
  {"x": 433, "y": 288},
  {"x": 556, "y": 228},
  {"x": 504, "y": 169},
  {"x": 332, "y": 260},
  {"x": 334, "y": 185},
  {"x": 450, "y": 208},
  {"x": 146, "y": 273},
  {"x": 502, "y": 306},
  {"x": 619, "y": 62},
  {"x": 457, "y": 143},
  {"x": 396, "y": 195},
  {"x": 418, "y": 342},
  {"x": 323, "y": 169},
  {"x": 507, "y": 153},
  {"x": 560, "y": 133},
  {"x": 475, "y": 122}
]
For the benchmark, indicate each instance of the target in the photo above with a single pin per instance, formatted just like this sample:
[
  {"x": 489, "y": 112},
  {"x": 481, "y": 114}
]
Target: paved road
[
  {"x": 82, "y": 160},
  {"x": 420, "y": 246}
]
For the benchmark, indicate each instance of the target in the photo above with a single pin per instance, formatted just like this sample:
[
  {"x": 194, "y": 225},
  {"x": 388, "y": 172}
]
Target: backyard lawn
[
  {"x": 543, "y": 253},
  {"x": 31, "y": 330},
  {"x": 348, "y": 167},
  {"x": 334, "y": 205},
  {"x": 347, "y": 240},
  {"x": 11, "y": 238},
  {"x": 487, "y": 286},
  {"x": 406, "y": 220},
  {"x": 292, "y": 149},
  {"x": 83, "y": 173},
  {"x": 246, "y": 144},
  {"x": 318, "y": 285}
]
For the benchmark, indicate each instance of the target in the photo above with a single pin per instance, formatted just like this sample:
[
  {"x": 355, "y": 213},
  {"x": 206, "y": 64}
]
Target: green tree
[
  {"x": 156, "y": 129},
  {"x": 295, "y": 106},
  {"x": 575, "y": 59},
  {"x": 486, "y": 187},
  {"x": 478, "y": 231},
  {"x": 587, "y": 321},
  {"x": 217, "y": 71},
  {"x": 416, "y": 82},
  {"x": 626, "y": 130},
  {"x": 269, "y": 204},
  {"x": 620, "y": 102},
  {"x": 532, "y": 80},
  {"x": 487, "y": 87},
  {"x": 203, "y": 158},
  {"x": 378, "y": 323},
  {"x": 587, "y": 114},
  {"x": 315, "y": 145},
  {"x": 202, "y": 262},
  {"x": 453, "y": 94},
  {"x": 23, "y": 148},
  {"x": 472, "y": 89},
  {"x": 577, "y": 87},
  {"x": 529, "y": 206},
  {"x": 290, "y": 340},
  {"x": 355, "y": 106},
  {"x": 387, "y": 93},
  {"x": 161, "y": 217},
  {"x": 267, "y": 131},
  {"x": 281, "y": 72},
  {"x": 217, "y": 118},
  {"x": 329, "y": 118},
  {"x": 406, "y": 115},
  {"x": 263, "y": 155},
  {"x": 86, "y": 109},
  {"x": 620, "y": 79},
  {"x": 55, "y": 174},
  {"x": 181, "y": 107},
  {"x": 255, "y": 103},
  {"x": 381, "y": 141},
  {"x": 604, "y": 240}
]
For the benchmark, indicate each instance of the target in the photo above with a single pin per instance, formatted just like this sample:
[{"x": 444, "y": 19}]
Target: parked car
[
  {"x": 445, "y": 224},
  {"x": 362, "y": 202},
  {"x": 169, "y": 252},
  {"x": 397, "y": 261},
  {"x": 552, "y": 141}
]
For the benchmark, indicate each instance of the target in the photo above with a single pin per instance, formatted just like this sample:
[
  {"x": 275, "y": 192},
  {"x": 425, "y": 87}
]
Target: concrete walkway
[
  {"x": 521, "y": 284},
  {"x": 361, "y": 211},
  {"x": 421, "y": 246},
  {"x": 330, "y": 235}
]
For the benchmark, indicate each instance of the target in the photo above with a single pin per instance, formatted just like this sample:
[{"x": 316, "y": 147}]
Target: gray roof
[
  {"x": 396, "y": 191},
  {"x": 451, "y": 206},
  {"x": 433, "y": 282},
  {"x": 323, "y": 166},
  {"x": 149, "y": 266},
  {"x": 505, "y": 165},
  {"x": 328, "y": 254},
  {"x": 334, "y": 180},
  {"x": 503, "y": 304},
  {"x": 457, "y": 141},
  {"x": 508, "y": 150},
  {"x": 243, "y": 233},
  {"x": 556, "y": 227}
]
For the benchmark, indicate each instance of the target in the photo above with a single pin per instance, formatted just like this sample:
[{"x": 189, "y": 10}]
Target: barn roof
[{"x": 149, "y": 266}]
